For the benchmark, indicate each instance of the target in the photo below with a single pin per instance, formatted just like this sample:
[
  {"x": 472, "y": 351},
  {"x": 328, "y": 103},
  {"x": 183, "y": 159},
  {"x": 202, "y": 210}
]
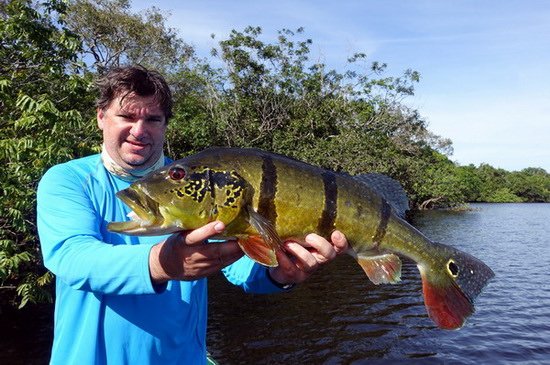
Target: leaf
[
  {"x": 26, "y": 104},
  {"x": 4, "y": 85}
]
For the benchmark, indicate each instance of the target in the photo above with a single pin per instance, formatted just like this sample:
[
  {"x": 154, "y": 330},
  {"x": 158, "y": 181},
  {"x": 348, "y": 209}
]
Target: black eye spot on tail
[{"x": 453, "y": 268}]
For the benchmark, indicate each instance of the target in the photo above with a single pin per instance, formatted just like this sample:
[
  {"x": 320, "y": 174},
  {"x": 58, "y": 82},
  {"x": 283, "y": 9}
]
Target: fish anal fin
[
  {"x": 446, "y": 304},
  {"x": 258, "y": 250},
  {"x": 381, "y": 269}
]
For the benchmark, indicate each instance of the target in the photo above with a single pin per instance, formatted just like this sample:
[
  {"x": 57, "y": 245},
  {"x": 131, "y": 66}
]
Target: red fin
[
  {"x": 258, "y": 250},
  {"x": 382, "y": 269},
  {"x": 447, "y": 305},
  {"x": 265, "y": 228}
]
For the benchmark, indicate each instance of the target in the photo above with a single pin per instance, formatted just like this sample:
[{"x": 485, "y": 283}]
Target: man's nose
[{"x": 139, "y": 129}]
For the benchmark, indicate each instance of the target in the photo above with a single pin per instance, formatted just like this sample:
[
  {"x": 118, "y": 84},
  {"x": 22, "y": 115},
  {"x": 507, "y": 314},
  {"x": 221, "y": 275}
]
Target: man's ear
[{"x": 100, "y": 118}]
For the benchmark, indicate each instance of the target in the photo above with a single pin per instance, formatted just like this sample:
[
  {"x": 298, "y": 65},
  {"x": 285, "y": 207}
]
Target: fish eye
[
  {"x": 176, "y": 173},
  {"x": 453, "y": 268}
]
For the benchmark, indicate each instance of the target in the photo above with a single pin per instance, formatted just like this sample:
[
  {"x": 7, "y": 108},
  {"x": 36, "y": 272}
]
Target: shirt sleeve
[
  {"x": 72, "y": 244},
  {"x": 251, "y": 277}
]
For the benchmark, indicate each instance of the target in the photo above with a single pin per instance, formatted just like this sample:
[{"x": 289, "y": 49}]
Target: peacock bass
[{"x": 265, "y": 199}]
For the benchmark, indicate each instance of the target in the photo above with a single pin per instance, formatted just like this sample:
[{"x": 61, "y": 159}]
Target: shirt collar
[{"x": 124, "y": 174}]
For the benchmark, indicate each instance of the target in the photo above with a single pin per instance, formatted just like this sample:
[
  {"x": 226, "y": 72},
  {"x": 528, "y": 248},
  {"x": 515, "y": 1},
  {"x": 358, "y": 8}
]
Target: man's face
[{"x": 133, "y": 132}]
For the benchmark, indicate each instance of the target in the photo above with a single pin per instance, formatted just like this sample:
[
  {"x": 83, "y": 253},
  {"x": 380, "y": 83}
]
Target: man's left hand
[{"x": 297, "y": 261}]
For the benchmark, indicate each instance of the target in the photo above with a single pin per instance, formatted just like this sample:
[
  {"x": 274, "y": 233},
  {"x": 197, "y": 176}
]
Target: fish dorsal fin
[
  {"x": 381, "y": 269},
  {"x": 390, "y": 189},
  {"x": 261, "y": 248}
]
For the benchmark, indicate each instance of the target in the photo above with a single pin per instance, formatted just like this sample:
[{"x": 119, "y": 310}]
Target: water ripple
[{"x": 339, "y": 317}]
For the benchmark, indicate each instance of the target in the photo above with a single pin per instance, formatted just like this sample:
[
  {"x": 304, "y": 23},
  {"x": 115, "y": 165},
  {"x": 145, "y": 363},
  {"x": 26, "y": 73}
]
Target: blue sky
[{"x": 484, "y": 65}]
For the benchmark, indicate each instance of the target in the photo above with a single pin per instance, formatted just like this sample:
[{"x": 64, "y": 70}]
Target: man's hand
[
  {"x": 184, "y": 256},
  {"x": 298, "y": 261}
]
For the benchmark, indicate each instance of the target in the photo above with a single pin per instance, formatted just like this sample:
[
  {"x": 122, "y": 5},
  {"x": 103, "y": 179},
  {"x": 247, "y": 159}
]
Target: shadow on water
[{"x": 26, "y": 335}]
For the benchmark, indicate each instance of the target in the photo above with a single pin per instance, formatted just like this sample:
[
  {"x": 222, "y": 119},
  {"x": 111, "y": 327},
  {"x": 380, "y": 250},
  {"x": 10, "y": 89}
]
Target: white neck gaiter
[{"x": 124, "y": 174}]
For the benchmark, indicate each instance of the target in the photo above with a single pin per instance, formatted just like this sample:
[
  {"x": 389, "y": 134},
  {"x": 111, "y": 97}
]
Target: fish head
[{"x": 179, "y": 197}]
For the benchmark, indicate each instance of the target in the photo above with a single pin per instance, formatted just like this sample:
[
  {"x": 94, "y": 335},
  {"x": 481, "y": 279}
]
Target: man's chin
[{"x": 137, "y": 163}]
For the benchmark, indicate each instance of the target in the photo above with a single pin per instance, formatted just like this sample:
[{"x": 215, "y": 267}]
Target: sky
[{"x": 484, "y": 65}]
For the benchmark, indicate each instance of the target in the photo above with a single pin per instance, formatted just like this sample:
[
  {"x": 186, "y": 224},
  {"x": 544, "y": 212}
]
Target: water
[{"x": 339, "y": 317}]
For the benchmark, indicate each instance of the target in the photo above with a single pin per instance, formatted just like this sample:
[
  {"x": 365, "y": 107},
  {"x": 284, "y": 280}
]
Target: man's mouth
[
  {"x": 136, "y": 146},
  {"x": 137, "y": 143}
]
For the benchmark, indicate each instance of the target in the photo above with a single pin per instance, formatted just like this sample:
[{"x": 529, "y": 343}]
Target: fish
[{"x": 266, "y": 199}]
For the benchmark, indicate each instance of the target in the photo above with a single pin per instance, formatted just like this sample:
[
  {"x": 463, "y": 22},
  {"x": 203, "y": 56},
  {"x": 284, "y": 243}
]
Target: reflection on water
[
  {"x": 340, "y": 317},
  {"x": 320, "y": 321}
]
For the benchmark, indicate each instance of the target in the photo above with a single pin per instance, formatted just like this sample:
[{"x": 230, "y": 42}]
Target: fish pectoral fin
[
  {"x": 262, "y": 247},
  {"x": 258, "y": 250},
  {"x": 265, "y": 229},
  {"x": 381, "y": 269}
]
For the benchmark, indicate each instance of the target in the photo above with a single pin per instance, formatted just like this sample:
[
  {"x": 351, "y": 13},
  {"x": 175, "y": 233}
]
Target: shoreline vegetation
[
  {"x": 467, "y": 207},
  {"x": 250, "y": 92}
]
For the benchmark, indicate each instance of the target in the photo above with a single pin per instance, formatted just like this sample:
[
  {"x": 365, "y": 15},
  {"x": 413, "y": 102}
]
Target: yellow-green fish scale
[{"x": 300, "y": 197}]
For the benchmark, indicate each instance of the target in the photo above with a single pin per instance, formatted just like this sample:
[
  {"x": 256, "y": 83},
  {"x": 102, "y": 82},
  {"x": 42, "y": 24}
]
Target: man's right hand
[{"x": 184, "y": 256}]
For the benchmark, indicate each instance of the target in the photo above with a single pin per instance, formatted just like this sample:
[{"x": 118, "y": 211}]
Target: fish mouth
[{"x": 145, "y": 215}]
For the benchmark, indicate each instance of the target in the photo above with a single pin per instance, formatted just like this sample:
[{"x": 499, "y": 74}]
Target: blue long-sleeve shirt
[{"x": 107, "y": 310}]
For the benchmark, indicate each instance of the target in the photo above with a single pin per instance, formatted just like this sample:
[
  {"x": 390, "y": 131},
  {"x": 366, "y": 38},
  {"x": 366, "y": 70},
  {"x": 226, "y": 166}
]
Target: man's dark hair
[{"x": 122, "y": 81}]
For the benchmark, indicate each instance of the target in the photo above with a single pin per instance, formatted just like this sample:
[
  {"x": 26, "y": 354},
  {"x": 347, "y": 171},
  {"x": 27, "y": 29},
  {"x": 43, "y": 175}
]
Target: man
[{"x": 139, "y": 300}]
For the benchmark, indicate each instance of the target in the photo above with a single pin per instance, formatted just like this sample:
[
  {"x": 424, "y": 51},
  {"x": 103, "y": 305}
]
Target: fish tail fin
[
  {"x": 446, "y": 304},
  {"x": 450, "y": 286}
]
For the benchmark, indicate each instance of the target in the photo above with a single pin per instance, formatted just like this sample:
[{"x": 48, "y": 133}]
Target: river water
[{"x": 339, "y": 317}]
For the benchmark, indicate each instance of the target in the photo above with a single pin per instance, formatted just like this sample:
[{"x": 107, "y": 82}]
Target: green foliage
[
  {"x": 531, "y": 184},
  {"x": 43, "y": 121},
  {"x": 503, "y": 195},
  {"x": 113, "y": 35},
  {"x": 501, "y": 186},
  {"x": 439, "y": 184}
]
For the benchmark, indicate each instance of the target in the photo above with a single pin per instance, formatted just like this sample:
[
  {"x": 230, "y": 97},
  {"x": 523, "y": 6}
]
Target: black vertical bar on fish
[
  {"x": 211, "y": 183},
  {"x": 385, "y": 212},
  {"x": 268, "y": 189},
  {"x": 328, "y": 217}
]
